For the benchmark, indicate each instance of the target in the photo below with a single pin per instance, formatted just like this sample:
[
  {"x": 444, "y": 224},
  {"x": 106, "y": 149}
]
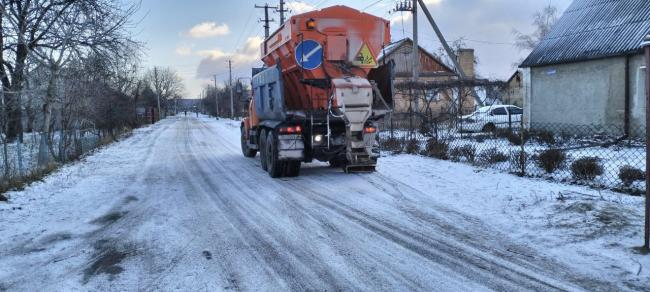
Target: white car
[{"x": 490, "y": 118}]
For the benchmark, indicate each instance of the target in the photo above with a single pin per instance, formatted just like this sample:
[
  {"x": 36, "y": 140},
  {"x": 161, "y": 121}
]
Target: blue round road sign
[{"x": 309, "y": 54}]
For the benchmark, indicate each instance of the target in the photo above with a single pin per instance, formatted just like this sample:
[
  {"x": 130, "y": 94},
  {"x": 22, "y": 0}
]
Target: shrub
[
  {"x": 546, "y": 137},
  {"x": 629, "y": 175},
  {"x": 437, "y": 149},
  {"x": 467, "y": 151},
  {"x": 412, "y": 146},
  {"x": 392, "y": 144},
  {"x": 492, "y": 156},
  {"x": 480, "y": 138},
  {"x": 425, "y": 129},
  {"x": 515, "y": 138},
  {"x": 503, "y": 133},
  {"x": 587, "y": 168},
  {"x": 550, "y": 160},
  {"x": 518, "y": 161}
]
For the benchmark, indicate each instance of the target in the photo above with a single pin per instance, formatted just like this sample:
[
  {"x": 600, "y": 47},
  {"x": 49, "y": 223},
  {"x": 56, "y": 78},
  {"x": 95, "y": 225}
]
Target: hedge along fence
[{"x": 597, "y": 156}]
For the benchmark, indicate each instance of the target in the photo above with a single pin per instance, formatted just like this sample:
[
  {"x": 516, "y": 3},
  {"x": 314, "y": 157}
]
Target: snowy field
[{"x": 177, "y": 207}]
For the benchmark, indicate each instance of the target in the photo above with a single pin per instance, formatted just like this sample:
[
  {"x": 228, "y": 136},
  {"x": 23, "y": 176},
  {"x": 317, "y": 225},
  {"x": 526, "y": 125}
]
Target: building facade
[
  {"x": 430, "y": 69},
  {"x": 589, "y": 70},
  {"x": 513, "y": 92}
]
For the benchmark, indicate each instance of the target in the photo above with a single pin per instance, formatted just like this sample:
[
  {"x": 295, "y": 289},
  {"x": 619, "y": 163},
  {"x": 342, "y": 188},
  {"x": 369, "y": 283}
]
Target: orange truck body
[
  {"x": 315, "y": 98},
  {"x": 346, "y": 35}
]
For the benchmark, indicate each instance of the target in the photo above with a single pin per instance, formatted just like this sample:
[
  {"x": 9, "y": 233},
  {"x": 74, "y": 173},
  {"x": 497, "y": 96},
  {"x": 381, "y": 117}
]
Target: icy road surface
[{"x": 177, "y": 207}]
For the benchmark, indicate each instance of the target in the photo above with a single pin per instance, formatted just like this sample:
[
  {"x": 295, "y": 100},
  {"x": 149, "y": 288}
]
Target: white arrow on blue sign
[{"x": 309, "y": 54}]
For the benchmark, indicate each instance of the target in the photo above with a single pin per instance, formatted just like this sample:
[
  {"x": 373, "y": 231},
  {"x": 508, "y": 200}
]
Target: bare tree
[
  {"x": 543, "y": 21},
  {"x": 89, "y": 28},
  {"x": 166, "y": 84}
]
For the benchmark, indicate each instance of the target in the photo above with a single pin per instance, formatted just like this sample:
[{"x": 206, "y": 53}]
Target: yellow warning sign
[{"x": 365, "y": 57}]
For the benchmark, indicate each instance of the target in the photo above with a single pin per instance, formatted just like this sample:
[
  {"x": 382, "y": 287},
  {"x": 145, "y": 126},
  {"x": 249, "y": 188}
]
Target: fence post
[
  {"x": 19, "y": 145},
  {"x": 646, "y": 45},
  {"x": 522, "y": 153},
  {"x": 391, "y": 124},
  {"x": 509, "y": 121}
]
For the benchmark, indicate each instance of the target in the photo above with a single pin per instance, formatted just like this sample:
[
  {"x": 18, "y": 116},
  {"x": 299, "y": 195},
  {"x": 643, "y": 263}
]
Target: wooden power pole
[
  {"x": 216, "y": 99},
  {"x": 266, "y": 19},
  {"x": 282, "y": 11},
  {"x": 232, "y": 104}
]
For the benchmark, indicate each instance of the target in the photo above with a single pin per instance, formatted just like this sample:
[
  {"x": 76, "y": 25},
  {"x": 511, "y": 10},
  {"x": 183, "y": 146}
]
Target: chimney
[{"x": 466, "y": 60}]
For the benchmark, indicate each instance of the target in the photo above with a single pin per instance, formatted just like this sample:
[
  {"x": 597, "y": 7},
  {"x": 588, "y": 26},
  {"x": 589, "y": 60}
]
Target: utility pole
[
  {"x": 646, "y": 244},
  {"x": 266, "y": 19},
  {"x": 156, "y": 77},
  {"x": 282, "y": 11},
  {"x": 449, "y": 51},
  {"x": 232, "y": 106},
  {"x": 416, "y": 46},
  {"x": 412, "y": 6},
  {"x": 216, "y": 99}
]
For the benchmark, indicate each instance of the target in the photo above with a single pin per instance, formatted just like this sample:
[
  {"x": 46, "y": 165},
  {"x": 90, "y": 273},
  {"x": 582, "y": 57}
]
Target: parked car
[{"x": 490, "y": 118}]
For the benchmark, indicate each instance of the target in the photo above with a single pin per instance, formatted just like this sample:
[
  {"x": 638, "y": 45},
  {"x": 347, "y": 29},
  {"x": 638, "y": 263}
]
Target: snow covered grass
[
  {"x": 29, "y": 152},
  {"x": 590, "y": 230},
  {"x": 611, "y": 158}
]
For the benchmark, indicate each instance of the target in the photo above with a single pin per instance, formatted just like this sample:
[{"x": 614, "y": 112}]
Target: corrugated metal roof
[{"x": 593, "y": 29}]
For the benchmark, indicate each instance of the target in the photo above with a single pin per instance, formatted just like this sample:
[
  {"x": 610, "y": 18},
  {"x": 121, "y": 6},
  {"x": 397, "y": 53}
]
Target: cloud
[
  {"x": 298, "y": 7},
  {"x": 184, "y": 50},
  {"x": 398, "y": 18},
  {"x": 209, "y": 29},
  {"x": 215, "y": 60}
]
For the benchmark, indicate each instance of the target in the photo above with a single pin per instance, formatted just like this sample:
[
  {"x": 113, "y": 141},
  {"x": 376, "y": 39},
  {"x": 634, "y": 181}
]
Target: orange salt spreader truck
[{"x": 321, "y": 92}]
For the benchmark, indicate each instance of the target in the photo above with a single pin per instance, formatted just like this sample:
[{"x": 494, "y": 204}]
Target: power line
[{"x": 371, "y": 5}]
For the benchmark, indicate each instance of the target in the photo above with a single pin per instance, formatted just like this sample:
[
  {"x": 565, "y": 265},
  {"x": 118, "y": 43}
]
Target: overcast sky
[{"x": 197, "y": 37}]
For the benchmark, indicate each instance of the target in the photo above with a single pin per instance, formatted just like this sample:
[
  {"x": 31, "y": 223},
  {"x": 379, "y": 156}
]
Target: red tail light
[
  {"x": 291, "y": 130},
  {"x": 370, "y": 130}
]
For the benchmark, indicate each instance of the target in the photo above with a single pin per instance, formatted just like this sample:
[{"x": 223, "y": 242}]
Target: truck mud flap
[
  {"x": 291, "y": 147},
  {"x": 359, "y": 168}
]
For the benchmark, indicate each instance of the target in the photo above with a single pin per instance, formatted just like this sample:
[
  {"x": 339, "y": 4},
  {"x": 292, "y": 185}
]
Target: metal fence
[
  {"x": 20, "y": 159},
  {"x": 598, "y": 156}
]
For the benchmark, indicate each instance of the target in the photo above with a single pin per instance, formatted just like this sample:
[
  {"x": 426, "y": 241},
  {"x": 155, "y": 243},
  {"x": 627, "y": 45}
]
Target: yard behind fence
[{"x": 598, "y": 156}]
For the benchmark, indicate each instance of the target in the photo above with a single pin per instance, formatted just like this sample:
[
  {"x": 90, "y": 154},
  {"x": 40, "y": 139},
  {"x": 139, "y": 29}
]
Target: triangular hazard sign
[{"x": 365, "y": 57}]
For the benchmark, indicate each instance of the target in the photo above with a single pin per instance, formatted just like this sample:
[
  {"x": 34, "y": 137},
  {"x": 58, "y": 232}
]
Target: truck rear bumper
[{"x": 291, "y": 147}]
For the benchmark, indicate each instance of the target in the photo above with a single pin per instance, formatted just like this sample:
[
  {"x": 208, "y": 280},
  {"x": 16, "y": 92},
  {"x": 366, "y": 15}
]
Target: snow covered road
[{"x": 177, "y": 207}]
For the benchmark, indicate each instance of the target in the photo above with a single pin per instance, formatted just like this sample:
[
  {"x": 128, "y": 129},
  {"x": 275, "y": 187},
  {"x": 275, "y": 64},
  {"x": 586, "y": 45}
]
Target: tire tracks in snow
[{"x": 515, "y": 270}]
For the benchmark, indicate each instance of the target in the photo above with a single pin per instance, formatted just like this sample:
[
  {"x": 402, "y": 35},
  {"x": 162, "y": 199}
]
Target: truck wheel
[
  {"x": 292, "y": 168},
  {"x": 263, "y": 152},
  {"x": 244, "y": 145},
  {"x": 275, "y": 166}
]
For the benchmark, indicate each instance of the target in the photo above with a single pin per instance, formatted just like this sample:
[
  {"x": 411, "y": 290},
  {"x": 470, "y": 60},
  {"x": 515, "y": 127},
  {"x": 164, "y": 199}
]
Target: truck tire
[
  {"x": 263, "y": 152},
  {"x": 273, "y": 163},
  {"x": 292, "y": 169},
  {"x": 250, "y": 153}
]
